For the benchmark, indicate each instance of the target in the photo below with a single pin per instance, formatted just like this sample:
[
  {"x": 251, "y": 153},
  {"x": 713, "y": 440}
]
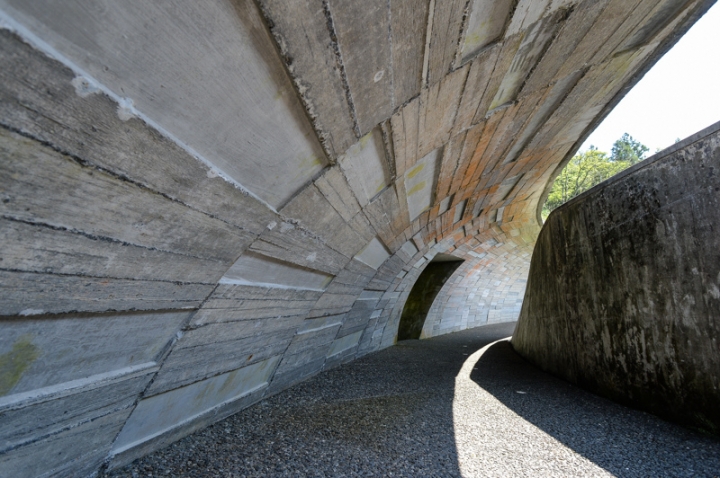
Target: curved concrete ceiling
[{"x": 253, "y": 187}]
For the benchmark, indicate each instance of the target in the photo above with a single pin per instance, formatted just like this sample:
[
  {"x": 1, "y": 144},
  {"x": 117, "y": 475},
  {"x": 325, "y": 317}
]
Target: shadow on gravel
[
  {"x": 391, "y": 414},
  {"x": 621, "y": 440},
  {"x": 387, "y": 414}
]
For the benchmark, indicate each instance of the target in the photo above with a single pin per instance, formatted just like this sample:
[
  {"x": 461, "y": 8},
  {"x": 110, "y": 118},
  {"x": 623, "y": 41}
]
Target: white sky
[{"x": 678, "y": 97}]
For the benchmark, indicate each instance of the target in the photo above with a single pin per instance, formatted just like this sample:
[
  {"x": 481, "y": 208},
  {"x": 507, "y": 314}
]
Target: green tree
[
  {"x": 591, "y": 167},
  {"x": 585, "y": 170},
  {"x": 628, "y": 149}
]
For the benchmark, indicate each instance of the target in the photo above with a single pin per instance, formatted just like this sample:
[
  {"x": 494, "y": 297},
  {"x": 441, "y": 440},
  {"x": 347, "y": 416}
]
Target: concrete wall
[
  {"x": 204, "y": 203},
  {"x": 623, "y": 296}
]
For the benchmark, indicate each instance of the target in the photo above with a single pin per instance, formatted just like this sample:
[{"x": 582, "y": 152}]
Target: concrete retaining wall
[{"x": 623, "y": 296}]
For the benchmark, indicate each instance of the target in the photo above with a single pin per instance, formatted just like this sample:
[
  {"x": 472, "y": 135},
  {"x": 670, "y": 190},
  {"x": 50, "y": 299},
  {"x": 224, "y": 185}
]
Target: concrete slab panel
[
  {"x": 301, "y": 31},
  {"x": 33, "y": 416},
  {"x": 334, "y": 186},
  {"x": 161, "y": 413},
  {"x": 663, "y": 14},
  {"x": 257, "y": 270},
  {"x": 365, "y": 168},
  {"x": 36, "y": 90},
  {"x": 446, "y": 20},
  {"x": 420, "y": 183},
  {"x": 526, "y": 13},
  {"x": 289, "y": 243},
  {"x": 409, "y": 248},
  {"x": 42, "y": 185},
  {"x": 187, "y": 365},
  {"x": 445, "y": 204},
  {"x": 459, "y": 211},
  {"x": 53, "y": 351},
  {"x": 33, "y": 248},
  {"x": 344, "y": 343},
  {"x": 314, "y": 211},
  {"x": 559, "y": 92},
  {"x": 362, "y": 30},
  {"x": 534, "y": 43},
  {"x": 374, "y": 254},
  {"x": 24, "y": 294},
  {"x": 319, "y": 323},
  {"x": 486, "y": 24},
  {"x": 370, "y": 295},
  {"x": 77, "y": 451},
  {"x": 408, "y": 29},
  {"x": 206, "y": 73}
]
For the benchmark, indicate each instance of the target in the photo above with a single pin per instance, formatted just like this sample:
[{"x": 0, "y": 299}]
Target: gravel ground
[{"x": 456, "y": 405}]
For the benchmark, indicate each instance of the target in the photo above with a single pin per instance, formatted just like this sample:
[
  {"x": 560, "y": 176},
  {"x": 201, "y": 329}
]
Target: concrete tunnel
[{"x": 204, "y": 204}]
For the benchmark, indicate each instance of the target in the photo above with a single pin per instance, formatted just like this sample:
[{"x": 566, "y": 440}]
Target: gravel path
[{"x": 456, "y": 405}]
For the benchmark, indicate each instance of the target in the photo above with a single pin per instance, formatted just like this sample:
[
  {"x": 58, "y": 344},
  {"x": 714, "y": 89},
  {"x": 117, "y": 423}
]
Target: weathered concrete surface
[
  {"x": 623, "y": 296},
  {"x": 169, "y": 73},
  {"x": 160, "y": 413},
  {"x": 210, "y": 188}
]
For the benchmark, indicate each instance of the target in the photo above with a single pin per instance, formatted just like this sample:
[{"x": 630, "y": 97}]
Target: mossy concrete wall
[{"x": 623, "y": 296}]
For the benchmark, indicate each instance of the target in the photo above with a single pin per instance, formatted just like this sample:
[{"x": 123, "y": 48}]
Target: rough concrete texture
[
  {"x": 463, "y": 404},
  {"x": 171, "y": 76},
  {"x": 623, "y": 296},
  {"x": 190, "y": 194}
]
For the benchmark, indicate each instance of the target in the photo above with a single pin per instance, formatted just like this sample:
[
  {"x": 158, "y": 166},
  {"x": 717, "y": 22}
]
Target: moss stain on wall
[{"x": 14, "y": 363}]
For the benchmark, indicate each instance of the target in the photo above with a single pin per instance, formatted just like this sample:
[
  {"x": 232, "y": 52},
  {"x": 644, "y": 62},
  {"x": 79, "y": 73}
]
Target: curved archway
[{"x": 421, "y": 298}]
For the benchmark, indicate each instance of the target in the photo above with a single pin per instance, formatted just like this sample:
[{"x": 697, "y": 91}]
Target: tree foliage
[
  {"x": 628, "y": 149},
  {"x": 591, "y": 167}
]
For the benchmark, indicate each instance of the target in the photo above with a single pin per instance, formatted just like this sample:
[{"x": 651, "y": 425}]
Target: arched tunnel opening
[{"x": 423, "y": 294}]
